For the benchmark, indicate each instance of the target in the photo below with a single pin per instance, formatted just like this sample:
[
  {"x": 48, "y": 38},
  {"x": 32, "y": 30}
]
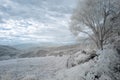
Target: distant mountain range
[
  {"x": 25, "y": 46},
  {"x": 35, "y": 50},
  {"x": 8, "y": 52}
]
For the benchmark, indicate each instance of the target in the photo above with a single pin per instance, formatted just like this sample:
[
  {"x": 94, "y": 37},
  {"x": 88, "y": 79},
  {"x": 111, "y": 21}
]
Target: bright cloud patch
[
  {"x": 35, "y": 21},
  {"x": 28, "y": 30}
]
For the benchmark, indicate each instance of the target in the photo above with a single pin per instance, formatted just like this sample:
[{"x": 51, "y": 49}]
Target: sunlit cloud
[{"x": 35, "y": 21}]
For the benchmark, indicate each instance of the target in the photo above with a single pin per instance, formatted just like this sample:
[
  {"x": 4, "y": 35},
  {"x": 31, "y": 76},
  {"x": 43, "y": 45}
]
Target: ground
[{"x": 104, "y": 66}]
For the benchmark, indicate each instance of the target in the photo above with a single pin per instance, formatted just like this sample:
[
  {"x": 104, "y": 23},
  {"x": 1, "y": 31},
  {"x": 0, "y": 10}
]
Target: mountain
[
  {"x": 26, "y": 46},
  {"x": 8, "y": 52},
  {"x": 42, "y": 51}
]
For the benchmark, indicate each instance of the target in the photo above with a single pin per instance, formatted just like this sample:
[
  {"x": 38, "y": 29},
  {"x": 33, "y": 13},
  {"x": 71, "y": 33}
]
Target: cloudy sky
[{"x": 25, "y": 21}]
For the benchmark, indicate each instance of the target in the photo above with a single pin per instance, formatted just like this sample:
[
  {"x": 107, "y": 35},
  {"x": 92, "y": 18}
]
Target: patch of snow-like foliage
[
  {"x": 80, "y": 57},
  {"x": 43, "y": 68},
  {"x": 103, "y": 67}
]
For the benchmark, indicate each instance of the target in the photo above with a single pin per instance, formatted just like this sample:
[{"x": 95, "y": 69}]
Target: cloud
[
  {"x": 31, "y": 30},
  {"x": 35, "y": 20}
]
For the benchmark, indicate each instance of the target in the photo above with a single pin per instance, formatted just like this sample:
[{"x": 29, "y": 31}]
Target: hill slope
[
  {"x": 8, "y": 52},
  {"x": 105, "y": 66}
]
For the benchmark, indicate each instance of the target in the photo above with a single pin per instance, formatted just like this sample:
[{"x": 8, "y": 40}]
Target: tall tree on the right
[{"x": 99, "y": 19}]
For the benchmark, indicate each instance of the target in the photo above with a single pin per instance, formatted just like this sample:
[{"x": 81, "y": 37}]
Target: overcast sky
[{"x": 24, "y": 21}]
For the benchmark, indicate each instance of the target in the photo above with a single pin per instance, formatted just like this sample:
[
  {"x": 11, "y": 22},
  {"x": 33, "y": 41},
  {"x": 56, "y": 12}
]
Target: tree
[{"x": 97, "y": 19}]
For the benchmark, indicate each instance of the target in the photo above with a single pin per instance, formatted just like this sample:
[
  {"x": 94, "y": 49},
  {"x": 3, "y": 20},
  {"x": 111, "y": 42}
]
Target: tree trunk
[
  {"x": 100, "y": 44},
  {"x": 118, "y": 33}
]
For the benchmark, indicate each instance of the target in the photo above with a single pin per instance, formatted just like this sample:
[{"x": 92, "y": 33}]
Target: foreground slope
[
  {"x": 31, "y": 68},
  {"x": 105, "y": 66}
]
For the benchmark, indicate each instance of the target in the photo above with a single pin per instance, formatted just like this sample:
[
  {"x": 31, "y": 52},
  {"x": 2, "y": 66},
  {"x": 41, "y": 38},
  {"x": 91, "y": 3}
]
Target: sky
[{"x": 32, "y": 21}]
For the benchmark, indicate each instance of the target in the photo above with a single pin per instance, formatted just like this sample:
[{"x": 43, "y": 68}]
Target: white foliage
[
  {"x": 105, "y": 66},
  {"x": 100, "y": 68}
]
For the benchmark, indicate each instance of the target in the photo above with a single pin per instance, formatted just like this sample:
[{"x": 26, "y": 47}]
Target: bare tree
[{"x": 97, "y": 19}]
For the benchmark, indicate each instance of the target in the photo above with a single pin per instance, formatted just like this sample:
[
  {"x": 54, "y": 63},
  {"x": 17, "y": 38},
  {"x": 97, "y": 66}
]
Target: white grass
[{"x": 102, "y": 67}]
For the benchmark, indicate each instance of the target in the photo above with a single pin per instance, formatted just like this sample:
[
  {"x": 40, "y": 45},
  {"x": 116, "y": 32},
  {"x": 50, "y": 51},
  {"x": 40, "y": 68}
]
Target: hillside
[
  {"x": 31, "y": 68},
  {"x": 51, "y": 51},
  {"x": 8, "y": 52},
  {"x": 105, "y": 66}
]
